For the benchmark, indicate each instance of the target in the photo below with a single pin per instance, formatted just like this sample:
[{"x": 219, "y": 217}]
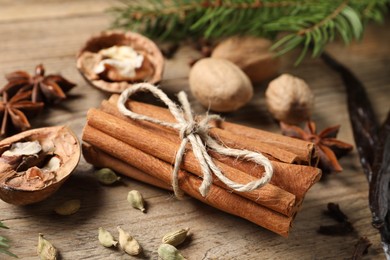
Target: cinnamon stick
[
  {"x": 217, "y": 197},
  {"x": 98, "y": 158},
  {"x": 296, "y": 179},
  {"x": 141, "y": 138},
  {"x": 234, "y": 140},
  {"x": 304, "y": 150}
]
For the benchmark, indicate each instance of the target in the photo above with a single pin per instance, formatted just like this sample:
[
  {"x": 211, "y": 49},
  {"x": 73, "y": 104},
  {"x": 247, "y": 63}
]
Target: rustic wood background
[{"x": 51, "y": 32}]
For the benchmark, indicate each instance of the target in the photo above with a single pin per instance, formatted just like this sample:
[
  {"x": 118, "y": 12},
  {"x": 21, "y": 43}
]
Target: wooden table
[{"x": 51, "y": 32}]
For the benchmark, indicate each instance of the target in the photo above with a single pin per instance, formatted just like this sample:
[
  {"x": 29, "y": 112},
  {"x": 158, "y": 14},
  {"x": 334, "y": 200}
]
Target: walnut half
[
  {"x": 98, "y": 52},
  {"x": 35, "y": 163}
]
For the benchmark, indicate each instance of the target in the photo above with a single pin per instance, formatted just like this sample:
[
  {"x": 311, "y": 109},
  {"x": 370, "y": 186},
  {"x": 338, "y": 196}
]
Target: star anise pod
[
  {"x": 14, "y": 112},
  {"x": 328, "y": 147},
  {"x": 50, "y": 88}
]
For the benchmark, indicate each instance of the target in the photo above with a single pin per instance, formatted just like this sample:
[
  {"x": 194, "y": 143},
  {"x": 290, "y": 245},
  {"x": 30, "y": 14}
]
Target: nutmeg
[
  {"x": 289, "y": 99},
  {"x": 35, "y": 163},
  {"x": 251, "y": 54},
  {"x": 220, "y": 85}
]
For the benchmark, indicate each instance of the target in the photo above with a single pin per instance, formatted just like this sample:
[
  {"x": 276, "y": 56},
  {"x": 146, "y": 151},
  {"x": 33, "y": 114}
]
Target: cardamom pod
[
  {"x": 45, "y": 250},
  {"x": 176, "y": 237},
  {"x": 128, "y": 243},
  {"x": 136, "y": 200},
  {"x": 106, "y": 176},
  {"x": 169, "y": 252},
  {"x": 106, "y": 239},
  {"x": 68, "y": 207}
]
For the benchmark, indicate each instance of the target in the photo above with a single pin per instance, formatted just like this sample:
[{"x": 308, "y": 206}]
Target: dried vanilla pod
[
  {"x": 136, "y": 200},
  {"x": 68, "y": 207},
  {"x": 104, "y": 63},
  {"x": 35, "y": 163},
  {"x": 106, "y": 239},
  {"x": 128, "y": 243},
  {"x": 169, "y": 252},
  {"x": 176, "y": 237},
  {"x": 45, "y": 249},
  {"x": 106, "y": 176}
]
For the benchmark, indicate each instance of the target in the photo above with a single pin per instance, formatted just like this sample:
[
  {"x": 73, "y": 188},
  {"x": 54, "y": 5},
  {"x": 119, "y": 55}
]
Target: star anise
[
  {"x": 50, "y": 88},
  {"x": 328, "y": 147},
  {"x": 14, "y": 112}
]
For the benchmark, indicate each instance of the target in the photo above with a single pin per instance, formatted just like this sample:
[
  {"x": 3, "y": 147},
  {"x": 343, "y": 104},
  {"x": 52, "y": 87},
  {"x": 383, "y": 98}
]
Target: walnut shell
[
  {"x": 88, "y": 57},
  {"x": 251, "y": 54},
  {"x": 61, "y": 142},
  {"x": 220, "y": 85},
  {"x": 289, "y": 99}
]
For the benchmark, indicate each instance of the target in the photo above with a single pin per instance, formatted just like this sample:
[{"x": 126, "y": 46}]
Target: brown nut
[
  {"x": 35, "y": 163},
  {"x": 251, "y": 54},
  {"x": 220, "y": 85},
  {"x": 110, "y": 80},
  {"x": 289, "y": 99}
]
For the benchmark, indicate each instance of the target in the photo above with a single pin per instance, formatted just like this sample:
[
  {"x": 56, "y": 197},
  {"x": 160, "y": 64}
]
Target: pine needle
[{"x": 304, "y": 22}]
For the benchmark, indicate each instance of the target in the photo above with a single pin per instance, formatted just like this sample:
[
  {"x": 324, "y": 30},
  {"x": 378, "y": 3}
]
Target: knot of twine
[{"x": 197, "y": 134}]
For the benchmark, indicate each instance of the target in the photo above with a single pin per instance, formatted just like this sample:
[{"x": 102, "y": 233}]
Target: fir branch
[
  {"x": 307, "y": 23},
  {"x": 4, "y": 243},
  {"x": 324, "y": 21}
]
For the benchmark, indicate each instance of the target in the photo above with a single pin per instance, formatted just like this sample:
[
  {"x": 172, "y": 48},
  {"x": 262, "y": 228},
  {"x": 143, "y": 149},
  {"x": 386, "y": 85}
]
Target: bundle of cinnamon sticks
[{"x": 146, "y": 151}]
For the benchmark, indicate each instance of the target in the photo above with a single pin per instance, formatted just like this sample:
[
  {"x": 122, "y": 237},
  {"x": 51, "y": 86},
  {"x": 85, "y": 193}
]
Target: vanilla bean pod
[
  {"x": 373, "y": 148},
  {"x": 362, "y": 117},
  {"x": 379, "y": 185}
]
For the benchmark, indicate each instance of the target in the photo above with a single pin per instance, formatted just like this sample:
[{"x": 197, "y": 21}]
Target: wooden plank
[
  {"x": 52, "y": 32},
  {"x": 27, "y": 10}
]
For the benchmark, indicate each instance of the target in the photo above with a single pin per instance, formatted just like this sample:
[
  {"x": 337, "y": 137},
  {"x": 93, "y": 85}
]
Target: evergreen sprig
[
  {"x": 308, "y": 23},
  {"x": 4, "y": 243}
]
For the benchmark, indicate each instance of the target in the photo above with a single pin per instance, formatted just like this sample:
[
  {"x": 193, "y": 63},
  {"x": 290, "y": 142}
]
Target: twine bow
[{"x": 197, "y": 134}]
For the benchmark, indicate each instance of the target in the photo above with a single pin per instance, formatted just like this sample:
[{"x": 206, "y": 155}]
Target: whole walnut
[
  {"x": 289, "y": 99},
  {"x": 220, "y": 85},
  {"x": 251, "y": 54}
]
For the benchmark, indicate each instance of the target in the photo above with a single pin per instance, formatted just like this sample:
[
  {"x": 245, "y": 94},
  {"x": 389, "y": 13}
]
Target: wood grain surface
[{"x": 51, "y": 32}]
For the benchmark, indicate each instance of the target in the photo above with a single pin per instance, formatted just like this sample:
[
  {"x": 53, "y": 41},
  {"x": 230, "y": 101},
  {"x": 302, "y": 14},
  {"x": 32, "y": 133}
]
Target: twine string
[{"x": 196, "y": 133}]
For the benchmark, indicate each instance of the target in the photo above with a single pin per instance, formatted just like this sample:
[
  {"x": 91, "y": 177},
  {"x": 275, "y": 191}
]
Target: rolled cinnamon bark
[
  {"x": 98, "y": 158},
  {"x": 217, "y": 197},
  {"x": 226, "y": 137},
  {"x": 296, "y": 179},
  {"x": 304, "y": 150},
  {"x": 148, "y": 141}
]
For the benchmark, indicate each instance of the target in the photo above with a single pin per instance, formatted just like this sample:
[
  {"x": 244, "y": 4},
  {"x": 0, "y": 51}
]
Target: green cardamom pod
[
  {"x": 106, "y": 176},
  {"x": 45, "y": 250},
  {"x": 106, "y": 239},
  {"x": 176, "y": 237},
  {"x": 68, "y": 207},
  {"x": 169, "y": 252},
  {"x": 136, "y": 200},
  {"x": 128, "y": 243}
]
